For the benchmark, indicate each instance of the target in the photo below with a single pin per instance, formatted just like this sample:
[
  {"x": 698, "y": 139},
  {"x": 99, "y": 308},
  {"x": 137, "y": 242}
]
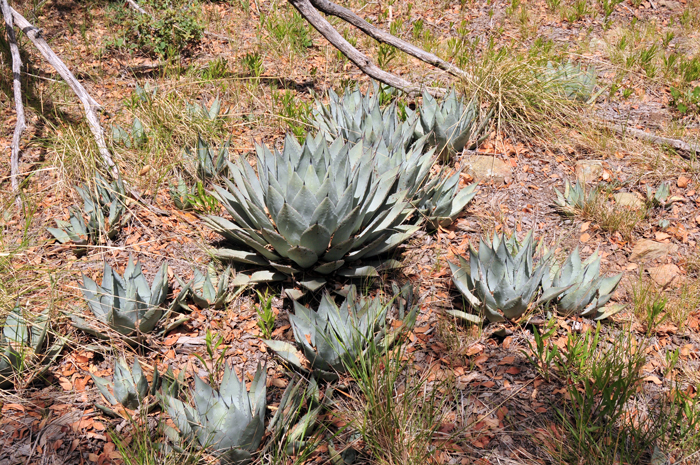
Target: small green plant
[
  {"x": 135, "y": 138},
  {"x": 201, "y": 111},
  {"x": 168, "y": 32},
  {"x": 658, "y": 198},
  {"x": 687, "y": 101},
  {"x": 253, "y": 63},
  {"x": 216, "y": 360},
  {"x": 543, "y": 353},
  {"x": 553, "y": 5},
  {"x": 294, "y": 112},
  {"x": 216, "y": 69},
  {"x": 575, "y": 198},
  {"x": 386, "y": 54},
  {"x": 291, "y": 30},
  {"x": 266, "y": 316}
]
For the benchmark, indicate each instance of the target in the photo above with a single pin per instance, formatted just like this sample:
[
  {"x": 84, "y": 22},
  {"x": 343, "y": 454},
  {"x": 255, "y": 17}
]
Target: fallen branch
[
  {"x": 21, "y": 125},
  {"x": 380, "y": 35},
  {"x": 677, "y": 144},
  {"x": 89, "y": 104},
  {"x": 307, "y": 10}
]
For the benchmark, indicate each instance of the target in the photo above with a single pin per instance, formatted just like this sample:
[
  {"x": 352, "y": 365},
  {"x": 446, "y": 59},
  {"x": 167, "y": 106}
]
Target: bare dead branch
[
  {"x": 380, "y": 35},
  {"x": 687, "y": 149},
  {"x": 89, "y": 104},
  {"x": 307, "y": 10},
  {"x": 21, "y": 125}
]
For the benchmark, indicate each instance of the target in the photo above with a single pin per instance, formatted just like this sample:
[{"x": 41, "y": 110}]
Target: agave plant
[
  {"x": 440, "y": 201},
  {"x": 130, "y": 387},
  {"x": 658, "y": 198},
  {"x": 587, "y": 292},
  {"x": 574, "y": 81},
  {"x": 105, "y": 210},
  {"x": 499, "y": 282},
  {"x": 230, "y": 423},
  {"x": 26, "y": 348},
  {"x": 206, "y": 164},
  {"x": 451, "y": 124},
  {"x": 356, "y": 116},
  {"x": 293, "y": 424},
  {"x": 201, "y": 110},
  {"x": 125, "y": 304},
  {"x": 575, "y": 198},
  {"x": 206, "y": 290},
  {"x": 134, "y": 138},
  {"x": 313, "y": 208},
  {"x": 182, "y": 197},
  {"x": 333, "y": 336}
]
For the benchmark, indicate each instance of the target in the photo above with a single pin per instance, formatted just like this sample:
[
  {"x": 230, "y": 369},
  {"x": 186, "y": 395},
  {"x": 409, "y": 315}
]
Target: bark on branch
[
  {"x": 307, "y": 10},
  {"x": 20, "y": 126},
  {"x": 687, "y": 149},
  {"x": 89, "y": 104},
  {"x": 380, "y": 35}
]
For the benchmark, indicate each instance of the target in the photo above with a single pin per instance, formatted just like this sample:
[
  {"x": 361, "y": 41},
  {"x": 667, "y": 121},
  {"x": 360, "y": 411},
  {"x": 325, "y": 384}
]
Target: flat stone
[
  {"x": 482, "y": 168},
  {"x": 628, "y": 199},
  {"x": 646, "y": 250},
  {"x": 665, "y": 275},
  {"x": 589, "y": 170}
]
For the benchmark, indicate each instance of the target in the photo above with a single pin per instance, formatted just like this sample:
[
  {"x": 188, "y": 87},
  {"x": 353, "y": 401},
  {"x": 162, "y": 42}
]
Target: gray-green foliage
[
  {"x": 201, "y": 111},
  {"x": 27, "y": 348},
  {"x": 105, "y": 210},
  {"x": 315, "y": 207},
  {"x": 575, "y": 197},
  {"x": 658, "y": 198},
  {"x": 499, "y": 282},
  {"x": 356, "y": 116},
  {"x": 182, "y": 196},
  {"x": 586, "y": 292},
  {"x": 133, "y": 138},
  {"x": 205, "y": 163},
  {"x": 573, "y": 81},
  {"x": 125, "y": 304},
  {"x": 296, "y": 417},
  {"x": 441, "y": 200},
  {"x": 130, "y": 387},
  {"x": 229, "y": 422},
  {"x": 206, "y": 289},
  {"x": 450, "y": 124},
  {"x": 332, "y": 336}
]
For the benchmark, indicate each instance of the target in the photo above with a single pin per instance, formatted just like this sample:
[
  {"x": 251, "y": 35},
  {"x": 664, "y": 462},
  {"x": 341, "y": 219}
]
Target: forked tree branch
[
  {"x": 21, "y": 125},
  {"x": 89, "y": 104},
  {"x": 381, "y": 35},
  {"x": 307, "y": 10}
]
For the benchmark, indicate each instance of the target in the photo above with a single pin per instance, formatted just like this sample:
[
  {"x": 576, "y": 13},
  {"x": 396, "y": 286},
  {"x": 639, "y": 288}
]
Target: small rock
[
  {"x": 646, "y": 250},
  {"x": 488, "y": 168},
  {"x": 628, "y": 199},
  {"x": 589, "y": 170},
  {"x": 664, "y": 275}
]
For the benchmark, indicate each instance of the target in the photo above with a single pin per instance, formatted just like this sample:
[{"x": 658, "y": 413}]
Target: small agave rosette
[
  {"x": 587, "y": 292},
  {"x": 125, "y": 304},
  {"x": 332, "y": 336},
  {"x": 451, "y": 124},
  {"x": 26, "y": 348},
  {"x": 441, "y": 202},
  {"x": 229, "y": 422},
  {"x": 499, "y": 282}
]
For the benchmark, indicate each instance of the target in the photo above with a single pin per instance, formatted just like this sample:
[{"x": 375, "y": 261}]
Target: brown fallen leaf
[
  {"x": 683, "y": 182},
  {"x": 653, "y": 379}
]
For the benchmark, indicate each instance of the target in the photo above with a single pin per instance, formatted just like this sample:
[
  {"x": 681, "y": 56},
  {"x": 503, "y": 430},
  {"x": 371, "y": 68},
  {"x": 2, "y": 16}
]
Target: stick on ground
[
  {"x": 21, "y": 125},
  {"x": 89, "y": 104}
]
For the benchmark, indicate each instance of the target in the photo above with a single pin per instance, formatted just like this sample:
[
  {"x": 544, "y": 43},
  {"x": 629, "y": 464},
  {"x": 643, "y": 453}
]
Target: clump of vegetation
[
  {"x": 170, "y": 28},
  {"x": 27, "y": 348}
]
